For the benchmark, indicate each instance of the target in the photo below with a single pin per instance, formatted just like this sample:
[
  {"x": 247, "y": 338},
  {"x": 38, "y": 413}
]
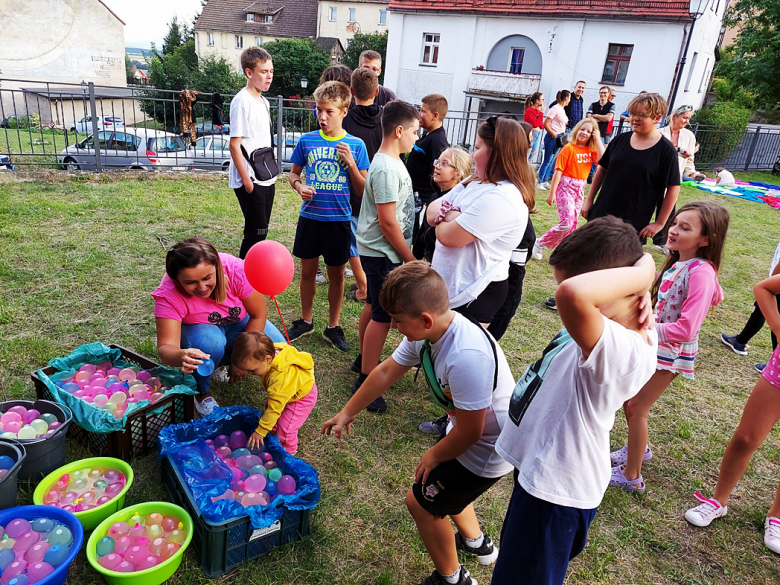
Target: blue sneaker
[
  {"x": 760, "y": 368},
  {"x": 731, "y": 341}
]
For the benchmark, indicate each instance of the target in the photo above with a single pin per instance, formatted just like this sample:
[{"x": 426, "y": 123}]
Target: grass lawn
[{"x": 79, "y": 256}]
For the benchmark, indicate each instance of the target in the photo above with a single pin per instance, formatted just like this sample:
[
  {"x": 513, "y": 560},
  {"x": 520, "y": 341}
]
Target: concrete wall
[
  {"x": 366, "y": 15},
  {"x": 225, "y": 45}
]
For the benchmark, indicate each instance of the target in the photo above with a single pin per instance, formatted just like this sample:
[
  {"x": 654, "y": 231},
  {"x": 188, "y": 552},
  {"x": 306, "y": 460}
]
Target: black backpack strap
[{"x": 492, "y": 346}]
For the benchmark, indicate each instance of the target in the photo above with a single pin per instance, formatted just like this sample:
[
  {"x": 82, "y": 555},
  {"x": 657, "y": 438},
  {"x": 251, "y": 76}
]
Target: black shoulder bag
[{"x": 262, "y": 160}]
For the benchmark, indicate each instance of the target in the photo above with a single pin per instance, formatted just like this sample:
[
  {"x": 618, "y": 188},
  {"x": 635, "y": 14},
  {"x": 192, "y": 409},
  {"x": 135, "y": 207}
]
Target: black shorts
[
  {"x": 489, "y": 301},
  {"x": 376, "y": 268},
  {"x": 329, "y": 239},
  {"x": 450, "y": 488}
]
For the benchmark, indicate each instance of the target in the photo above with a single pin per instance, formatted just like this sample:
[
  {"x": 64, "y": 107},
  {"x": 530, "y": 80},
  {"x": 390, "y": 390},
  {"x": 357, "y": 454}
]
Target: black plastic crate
[
  {"x": 221, "y": 547},
  {"x": 143, "y": 426}
]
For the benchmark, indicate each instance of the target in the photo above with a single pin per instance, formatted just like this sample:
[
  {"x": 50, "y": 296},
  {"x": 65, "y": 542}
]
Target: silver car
[
  {"x": 129, "y": 148},
  {"x": 212, "y": 152}
]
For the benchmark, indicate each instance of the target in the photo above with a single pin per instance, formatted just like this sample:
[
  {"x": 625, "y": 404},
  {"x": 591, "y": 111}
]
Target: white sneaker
[
  {"x": 220, "y": 375},
  {"x": 546, "y": 186},
  {"x": 772, "y": 534},
  {"x": 348, "y": 273},
  {"x": 320, "y": 278},
  {"x": 206, "y": 406},
  {"x": 707, "y": 511},
  {"x": 620, "y": 457},
  {"x": 538, "y": 250},
  {"x": 541, "y": 187}
]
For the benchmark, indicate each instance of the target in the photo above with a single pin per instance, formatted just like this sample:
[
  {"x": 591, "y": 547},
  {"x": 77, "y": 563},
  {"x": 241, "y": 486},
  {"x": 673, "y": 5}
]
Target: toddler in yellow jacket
[{"x": 288, "y": 377}]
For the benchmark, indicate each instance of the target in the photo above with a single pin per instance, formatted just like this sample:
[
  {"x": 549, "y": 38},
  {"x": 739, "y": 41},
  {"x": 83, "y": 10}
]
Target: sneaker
[
  {"x": 620, "y": 456},
  {"x": 320, "y": 278},
  {"x": 487, "y": 553},
  {"x": 541, "y": 187},
  {"x": 760, "y": 368},
  {"x": 731, "y": 341},
  {"x": 336, "y": 336},
  {"x": 206, "y": 406},
  {"x": 357, "y": 365},
  {"x": 435, "y": 427},
  {"x": 463, "y": 579},
  {"x": 629, "y": 485},
  {"x": 378, "y": 406},
  {"x": 220, "y": 375},
  {"x": 550, "y": 304},
  {"x": 546, "y": 186},
  {"x": 538, "y": 250},
  {"x": 772, "y": 534},
  {"x": 348, "y": 273},
  {"x": 705, "y": 512},
  {"x": 299, "y": 328}
]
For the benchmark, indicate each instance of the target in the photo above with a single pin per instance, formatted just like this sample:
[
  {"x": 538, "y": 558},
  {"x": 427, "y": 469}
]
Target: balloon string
[{"x": 281, "y": 319}]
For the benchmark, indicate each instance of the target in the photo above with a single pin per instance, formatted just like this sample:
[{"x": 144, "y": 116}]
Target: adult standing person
[
  {"x": 555, "y": 131},
  {"x": 603, "y": 111},
  {"x": 534, "y": 115},
  {"x": 575, "y": 109},
  {"x": 250, "y": 129},
  {"x": 610, "y": 126},
  {"x": 204, "y": 302},
  {"x": 373, "y": 61},
  {"x": 637, "y": 171}
]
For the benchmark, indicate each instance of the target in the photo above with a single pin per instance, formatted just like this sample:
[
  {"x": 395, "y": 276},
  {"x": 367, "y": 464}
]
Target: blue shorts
[
  {"x": 353, "y": 251},
  {"x": 538, "y": 540}
]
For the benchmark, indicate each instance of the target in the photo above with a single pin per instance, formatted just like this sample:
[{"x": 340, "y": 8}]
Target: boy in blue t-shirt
[{"x": 333, "y": 160}]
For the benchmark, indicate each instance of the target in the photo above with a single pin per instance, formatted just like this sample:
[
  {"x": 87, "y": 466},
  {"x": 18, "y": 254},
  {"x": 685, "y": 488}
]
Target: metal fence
[{"x": 92, "y": 127}]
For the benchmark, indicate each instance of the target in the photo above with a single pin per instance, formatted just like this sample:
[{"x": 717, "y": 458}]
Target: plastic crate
[
  {"x": 224, "y": 546},
  {"x": 143, "y": 426}
]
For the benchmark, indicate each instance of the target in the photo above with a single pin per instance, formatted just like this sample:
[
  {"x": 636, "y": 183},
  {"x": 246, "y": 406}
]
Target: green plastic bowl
[
  {"x": 91, "y": 518},
  {"x": 155, "y": 575}
]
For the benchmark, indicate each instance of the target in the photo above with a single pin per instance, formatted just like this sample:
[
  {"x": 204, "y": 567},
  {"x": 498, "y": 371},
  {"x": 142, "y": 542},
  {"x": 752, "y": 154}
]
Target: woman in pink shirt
[{"x": 204, "y": 302}]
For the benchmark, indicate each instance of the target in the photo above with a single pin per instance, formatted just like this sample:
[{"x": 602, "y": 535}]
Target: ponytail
[{"x": 562, "y": 95}]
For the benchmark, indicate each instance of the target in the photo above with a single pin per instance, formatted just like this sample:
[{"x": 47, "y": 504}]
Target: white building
[
  {"x": 341, "y": 19},
  {"x": 489, "y": 55}
]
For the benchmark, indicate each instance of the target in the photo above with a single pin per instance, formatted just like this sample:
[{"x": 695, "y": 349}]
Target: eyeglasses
[
  {"x": 603, "y": 93},
  {"x": 443, "y": 163}
]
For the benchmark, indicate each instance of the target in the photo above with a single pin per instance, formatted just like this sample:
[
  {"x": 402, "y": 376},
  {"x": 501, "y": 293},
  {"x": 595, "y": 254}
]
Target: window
[
  {"x": 333, "y": 13},
  {"x": 267, "y": 18},
  {"x": 258, "y": 41},
  {"x": 516, "y": 55},
  {"x": 250, "y": 17},
  {"x": 239, "y": 42},
  {"x": 690, "y": 71},
  {"x": 704, "y": 74},
  {"x": 352, "y": 14},
  {"x": 383, "y": 17},
  {"x": 211, "y": 39},
  {"x": 126, "y": 142},
  {"x": 430, "y": 49},
  {"x": 616, "y": 65},
  {"x": 200, "y": 143}
]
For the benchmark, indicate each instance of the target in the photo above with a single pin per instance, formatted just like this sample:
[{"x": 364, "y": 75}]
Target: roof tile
[{"x": 296, "y": 18}]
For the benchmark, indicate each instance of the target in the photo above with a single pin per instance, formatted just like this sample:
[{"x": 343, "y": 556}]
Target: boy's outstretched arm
[
  {"x": 765, "y": 292},
  {"x": 580, "y": 298},
  {"x": 379, "y": 380}
]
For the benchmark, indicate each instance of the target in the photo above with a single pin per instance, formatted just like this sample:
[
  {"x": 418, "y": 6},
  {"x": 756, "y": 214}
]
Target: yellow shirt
[{"x": 290, "y": 377}]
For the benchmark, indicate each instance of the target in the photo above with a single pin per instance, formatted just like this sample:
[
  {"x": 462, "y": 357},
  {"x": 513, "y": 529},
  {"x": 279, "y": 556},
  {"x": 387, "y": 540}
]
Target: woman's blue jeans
[
  {"x": 548, "y": 164},
  {"x": 217, "y": 341}
]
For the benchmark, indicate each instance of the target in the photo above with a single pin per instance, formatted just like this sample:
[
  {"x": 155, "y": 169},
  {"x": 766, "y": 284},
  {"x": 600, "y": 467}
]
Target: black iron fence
[{"x": 91, "y": 127}]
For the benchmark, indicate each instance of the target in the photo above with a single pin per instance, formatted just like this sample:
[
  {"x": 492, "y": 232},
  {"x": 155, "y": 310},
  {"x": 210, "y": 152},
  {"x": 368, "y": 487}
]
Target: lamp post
[{"x": 696, "y": 10}]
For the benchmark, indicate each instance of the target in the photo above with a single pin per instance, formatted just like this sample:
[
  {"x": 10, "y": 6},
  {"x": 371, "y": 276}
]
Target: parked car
[
  {"x": 5, "y": 163},
  {"x": 130, "y": 148},
  {"x": 290, "y": 140},
  {"x": 211, "y": 152},
  {"x": 203, "y": 128},
  {"x": 84, "y": 126}
]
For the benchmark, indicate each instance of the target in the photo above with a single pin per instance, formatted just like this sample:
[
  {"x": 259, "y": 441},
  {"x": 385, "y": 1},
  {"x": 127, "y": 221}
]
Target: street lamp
[
  {"x": 304, "y": 83},
  {"x": 696, "y": 9}
]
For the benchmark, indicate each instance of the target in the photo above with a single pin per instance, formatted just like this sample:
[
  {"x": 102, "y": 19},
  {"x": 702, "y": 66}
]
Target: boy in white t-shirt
[
  {"x": 250, "y": 128},
  {"x": 468, "y": 374},
  {"x": 563, "y": 407}
]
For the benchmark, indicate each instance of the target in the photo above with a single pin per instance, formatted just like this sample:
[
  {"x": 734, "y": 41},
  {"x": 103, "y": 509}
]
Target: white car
[{"x": 84, "y": 126}]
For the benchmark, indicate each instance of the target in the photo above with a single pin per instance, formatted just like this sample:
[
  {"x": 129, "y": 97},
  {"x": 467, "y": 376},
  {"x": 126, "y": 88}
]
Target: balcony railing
[{"x": 503, "y": 84}]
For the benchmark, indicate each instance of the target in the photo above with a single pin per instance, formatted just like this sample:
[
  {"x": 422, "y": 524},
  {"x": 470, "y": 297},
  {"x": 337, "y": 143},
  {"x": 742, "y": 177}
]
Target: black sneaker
[
  {"x": 463, "y": 579},
  {"x": 378, "y": 405},
  {"x": 357, "y": 365},
  {"x": 487, "y": 553},
  {"x": 300, "y": 328},
  {"x": 550, "y": 304},
  {"x": 336, "y": 336}
]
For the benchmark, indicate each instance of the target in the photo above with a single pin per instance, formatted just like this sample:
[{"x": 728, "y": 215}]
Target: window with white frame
[
  {"x": 352, "y": 14},
  {"x": 430, "y": 49},
  {"x": 211, "y": 39},
  {"x": 690, "y": 71},
  {"x": 239, "y": 42},
  {"x": 258, "y": 41},
  {"x": 267, "y": 18},
  {"x": 333, "y": 13},
  {"x": 704, "y": 74},
  {"x": 250, "y": 17},
  {"x": 383, "y": 17}
]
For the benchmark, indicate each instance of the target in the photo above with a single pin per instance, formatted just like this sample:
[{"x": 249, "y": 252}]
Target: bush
[
  {"x": 727, "y": 91},
  {"x": 364, "y": 42},
  {"x": 722, "y": 127}
]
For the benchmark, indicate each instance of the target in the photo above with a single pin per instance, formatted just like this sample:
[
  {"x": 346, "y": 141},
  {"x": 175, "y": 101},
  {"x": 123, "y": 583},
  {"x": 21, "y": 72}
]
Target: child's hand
[
  {"x": 255, "y": 441},
  {"x": 550, "y": 199},
  {"x": 191, "y": 358},
  {"x": 646, "y": 318},
  {"x": 585, "y": 209},
  {"x": 427, "y": 464},
  {"x": 346, "y": 154},
  {"x": 338, "y": 423},
  {"x": 305, "y": 191},
  {"x": 651, "y": 229},
  {"x": 236, "y": 374}
]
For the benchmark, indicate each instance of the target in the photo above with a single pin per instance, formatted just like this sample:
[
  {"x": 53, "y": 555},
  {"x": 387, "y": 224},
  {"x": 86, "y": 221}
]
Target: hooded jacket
[
  {"x": 365, "y": 122},
  {"x": 290, "y": 377}
]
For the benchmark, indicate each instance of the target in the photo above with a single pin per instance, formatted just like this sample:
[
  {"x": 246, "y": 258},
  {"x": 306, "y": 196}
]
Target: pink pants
[
  {"x": 569, "y": 197},
  {"x": 292, "y": 418}
]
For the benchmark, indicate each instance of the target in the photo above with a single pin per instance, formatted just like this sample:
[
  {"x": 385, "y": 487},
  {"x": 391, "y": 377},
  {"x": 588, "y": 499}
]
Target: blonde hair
[
  {"x": 461, "y": 160},
  {"x": 593, "y": 124},
  {"x": 653, "y": 102},
  {"x": 333, "y": 92}
]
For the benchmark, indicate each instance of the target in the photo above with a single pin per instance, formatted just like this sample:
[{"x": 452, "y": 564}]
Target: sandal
[{"x": 629, "y": 485}]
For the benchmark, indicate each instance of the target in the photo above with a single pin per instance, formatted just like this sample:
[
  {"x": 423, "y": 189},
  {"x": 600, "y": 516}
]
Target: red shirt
[{"x": 534, "y": 117}]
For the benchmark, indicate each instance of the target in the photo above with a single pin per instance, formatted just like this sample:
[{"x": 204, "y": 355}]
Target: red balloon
[{"x": 269, "y": 267}]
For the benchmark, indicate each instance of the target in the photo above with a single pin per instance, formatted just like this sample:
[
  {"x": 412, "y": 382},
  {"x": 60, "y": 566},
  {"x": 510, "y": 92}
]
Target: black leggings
[
  {"x": 754, "y": 324},
  {"x": 256, "y": 207}
]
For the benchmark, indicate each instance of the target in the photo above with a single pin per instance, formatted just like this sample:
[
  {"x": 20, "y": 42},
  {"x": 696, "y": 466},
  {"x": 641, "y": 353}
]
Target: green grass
[{"x": 78, "y": 258}]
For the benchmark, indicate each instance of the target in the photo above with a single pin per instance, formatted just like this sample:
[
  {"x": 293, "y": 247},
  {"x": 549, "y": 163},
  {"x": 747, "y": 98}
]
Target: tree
[
  {"x": 129, "y": 70},
  {"x": 756, "y": 57},
  {"x": 294, "y": 59},
  {"x": 366, "y": 42},
  {"x": 173, "y": 40}
]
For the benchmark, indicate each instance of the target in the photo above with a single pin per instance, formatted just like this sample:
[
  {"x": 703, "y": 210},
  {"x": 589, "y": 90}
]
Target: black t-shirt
[
  {"x": 636, "y": 180},
  {"x": 517, "y": 270},
  {"x": 597, "y": 108},
  {"x": 419, "y": 163}
]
